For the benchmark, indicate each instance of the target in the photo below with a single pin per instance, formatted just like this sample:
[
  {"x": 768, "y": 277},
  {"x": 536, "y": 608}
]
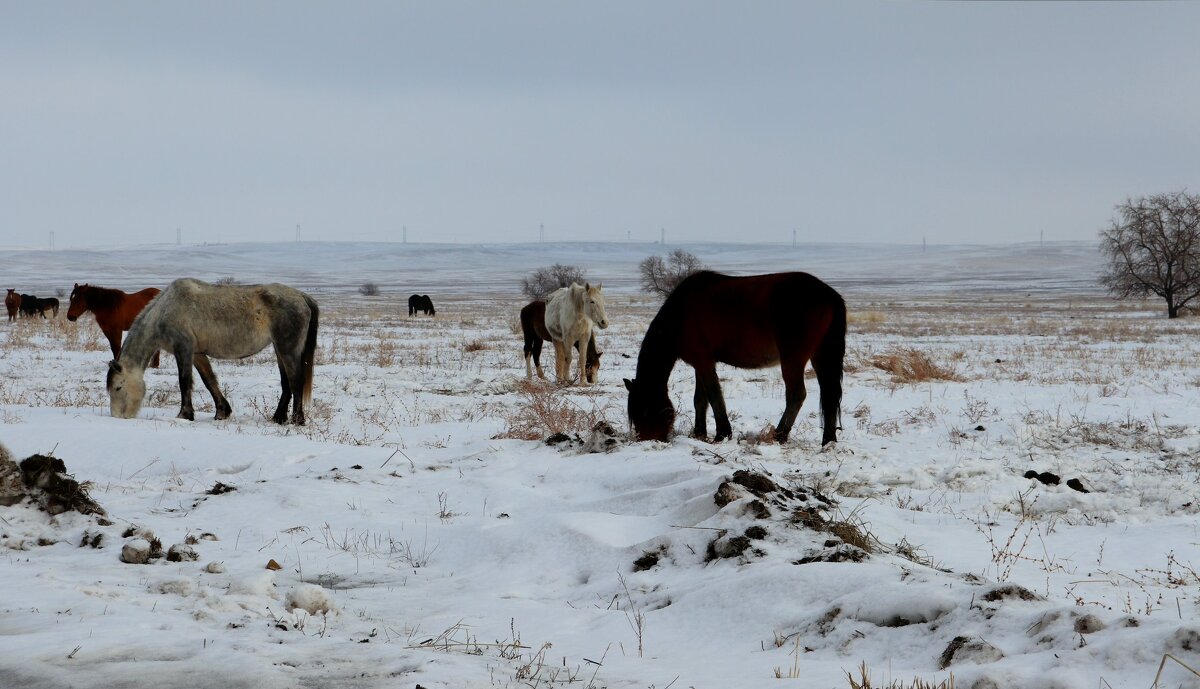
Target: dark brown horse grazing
[
  {"x": 37, "y": 306},
  {"x": 12, "y": 302},
  {"x": 747, "y": 322},
  {"x": 533, "y": 325},
  {"x": 114, "y": 311}
]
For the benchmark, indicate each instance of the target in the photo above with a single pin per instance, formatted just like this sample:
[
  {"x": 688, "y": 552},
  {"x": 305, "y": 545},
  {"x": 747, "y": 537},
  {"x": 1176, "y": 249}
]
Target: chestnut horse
[
  {"x": 533, "y": 326},
  {"x": 114, "y": 311},
  {"x": 747, "y": 322},
  {"x": 12, "y": 302}
]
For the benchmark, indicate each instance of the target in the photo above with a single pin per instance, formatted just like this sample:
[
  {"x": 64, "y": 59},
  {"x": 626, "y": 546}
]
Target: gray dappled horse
[{"x": 196, "y": 320}]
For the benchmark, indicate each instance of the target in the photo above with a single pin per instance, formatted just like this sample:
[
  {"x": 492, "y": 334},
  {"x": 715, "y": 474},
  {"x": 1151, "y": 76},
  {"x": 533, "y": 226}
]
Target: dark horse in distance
[
  {"x": 114, "y": 311},
  {"x": 533, "y": 326},
  {"x": 31, "y": 305},
  {"x": 421, "y": 302},
  {"x": 748, "y": 322}
]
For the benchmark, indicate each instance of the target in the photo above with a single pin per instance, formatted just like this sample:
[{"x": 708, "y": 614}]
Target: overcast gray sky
[{"x": 467, "y": 122}]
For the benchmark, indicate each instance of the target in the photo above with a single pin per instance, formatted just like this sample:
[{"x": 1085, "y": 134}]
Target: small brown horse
[
  {"x": 533, "y": 325},
  {"x": 748, "y": 322},
  {"x": 114, "y": 311},
  {"x": 12, "y": 302}
]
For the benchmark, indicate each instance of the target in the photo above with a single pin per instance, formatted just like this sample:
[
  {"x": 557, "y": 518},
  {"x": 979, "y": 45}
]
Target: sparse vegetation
[
  {"x": 543, "y": 281},
  {"x": 909, "y": 365},
  {"x": 659, "y": 276},
  {"x": 545, "y": 410},
  {"x": 863, "y": 681},
  {"x": 369, "y": 289}
]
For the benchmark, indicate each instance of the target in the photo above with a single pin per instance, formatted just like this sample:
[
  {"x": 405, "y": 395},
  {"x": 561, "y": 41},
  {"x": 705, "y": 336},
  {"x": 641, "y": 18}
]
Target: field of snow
[{"x": 427, "y": 535}]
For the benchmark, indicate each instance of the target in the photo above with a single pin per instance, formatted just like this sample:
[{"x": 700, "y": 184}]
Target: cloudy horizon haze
[{"x": 126, "y": 122}]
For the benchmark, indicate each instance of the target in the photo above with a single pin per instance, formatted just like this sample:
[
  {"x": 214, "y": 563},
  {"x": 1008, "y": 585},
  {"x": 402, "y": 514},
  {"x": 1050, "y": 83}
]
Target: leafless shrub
[
  {"x": 475, "y": 345},
  {"x": 227, "y": 280},
  {"x": 369, "y": 289},
  {"x": 908, "y": 365},
  {"x": 661, "y": 276},
  {"x": 544, "y": 410},
  {"x": 543, "y": 281}
]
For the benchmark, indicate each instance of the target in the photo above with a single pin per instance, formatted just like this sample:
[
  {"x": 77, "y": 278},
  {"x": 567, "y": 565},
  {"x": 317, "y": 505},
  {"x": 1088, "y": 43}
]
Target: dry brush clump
[
  {"x": 545, "y": 410},
  {"x": 909, "y": 365}
]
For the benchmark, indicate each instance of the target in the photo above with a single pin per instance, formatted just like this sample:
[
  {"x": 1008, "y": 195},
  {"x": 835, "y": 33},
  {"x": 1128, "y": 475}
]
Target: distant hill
[{"x": 496, "y": 269}]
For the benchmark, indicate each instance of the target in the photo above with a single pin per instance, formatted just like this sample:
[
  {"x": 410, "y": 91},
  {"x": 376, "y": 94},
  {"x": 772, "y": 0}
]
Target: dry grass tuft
[
  {"x": 475, "y": 345},
  {"x": 863, "y": 681},
  {"x": 909, "y": 365},
  {"x": 544, "y": 410}
]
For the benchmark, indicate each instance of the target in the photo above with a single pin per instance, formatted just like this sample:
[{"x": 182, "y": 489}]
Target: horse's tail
[
  {"x": 828, "y": 363},
  {"x": 309, "y": 355}
]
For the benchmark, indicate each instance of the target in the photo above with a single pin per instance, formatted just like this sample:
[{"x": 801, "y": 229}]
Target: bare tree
[
  {"x": 1153, "y": 248},
  {"x": 661, "y": 276},
  {"x": 543, "y": 281}
]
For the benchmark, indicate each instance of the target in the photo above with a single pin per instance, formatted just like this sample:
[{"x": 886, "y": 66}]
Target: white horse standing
[{"x": 570, "y": 314}]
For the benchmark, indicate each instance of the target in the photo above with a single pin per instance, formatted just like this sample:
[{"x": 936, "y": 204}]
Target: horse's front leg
[
  {"x": 580, "y": 348},
  {"x": 114, "y": 343},
  {"x": 700, "y": 400},
  {"x": 204, "y": 366},
  {"x": 707, "y": 379},
  {"x": 562, "y": 352}
]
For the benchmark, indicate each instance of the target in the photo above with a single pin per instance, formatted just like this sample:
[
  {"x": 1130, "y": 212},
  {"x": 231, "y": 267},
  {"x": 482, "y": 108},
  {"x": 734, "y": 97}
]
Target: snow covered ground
[{"x": 422, "y": 539}]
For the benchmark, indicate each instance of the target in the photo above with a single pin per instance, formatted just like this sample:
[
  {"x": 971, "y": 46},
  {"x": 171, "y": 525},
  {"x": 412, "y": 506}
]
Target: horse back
[{"x": 747, "y": 321}]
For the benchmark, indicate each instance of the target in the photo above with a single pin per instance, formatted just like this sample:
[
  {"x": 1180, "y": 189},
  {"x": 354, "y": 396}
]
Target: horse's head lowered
[
  {"x": 650, "y": 412},
  {"x": 78, "y": 303},
  {"x": 126, "y": 390},
  {"x": 592, "y": 303}
]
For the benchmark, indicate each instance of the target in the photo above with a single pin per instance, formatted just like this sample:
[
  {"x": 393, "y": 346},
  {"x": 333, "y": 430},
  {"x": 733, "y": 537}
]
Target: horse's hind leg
[
  {"x": 793, "y": 382},
  {"x": 285, "y": 396},
  {"x": 209, "y": 378}
]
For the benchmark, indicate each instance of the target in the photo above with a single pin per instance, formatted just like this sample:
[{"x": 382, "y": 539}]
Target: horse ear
[
  {"x": 115, "y": 366},
  {"x": 629, "y": 383}
]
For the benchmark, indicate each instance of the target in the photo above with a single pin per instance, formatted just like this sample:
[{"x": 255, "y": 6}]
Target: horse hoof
[{"x": 186, "y": 416}]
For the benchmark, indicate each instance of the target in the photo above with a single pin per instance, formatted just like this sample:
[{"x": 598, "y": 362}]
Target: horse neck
[
  {"x": 137, "y": 348},
  {"x": 100, "y": 298},
  {"x": 659, "y": 352}
]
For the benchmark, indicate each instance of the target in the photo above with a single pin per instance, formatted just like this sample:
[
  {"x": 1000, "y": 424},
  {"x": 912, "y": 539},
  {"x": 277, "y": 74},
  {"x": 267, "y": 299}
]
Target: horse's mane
[
  {"x": 660, "y": 346},
  {"x": 102, "y": 297}
]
